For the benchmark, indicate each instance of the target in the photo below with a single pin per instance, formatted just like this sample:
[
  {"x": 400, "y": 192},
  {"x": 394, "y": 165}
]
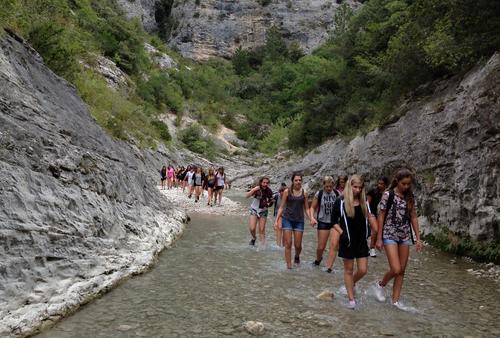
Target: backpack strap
[
  {"x": 342, "y": 213},
  {"x": 369, "y": 212}
]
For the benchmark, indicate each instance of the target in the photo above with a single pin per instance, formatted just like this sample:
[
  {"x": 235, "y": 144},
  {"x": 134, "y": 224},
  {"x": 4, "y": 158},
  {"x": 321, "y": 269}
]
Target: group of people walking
[
  {"x": 345, "y": 216},
  {"x": 196, "y": 180}
]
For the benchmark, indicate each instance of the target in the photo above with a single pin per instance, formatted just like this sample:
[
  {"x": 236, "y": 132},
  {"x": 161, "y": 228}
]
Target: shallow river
[{"x": 211, "y": 282}]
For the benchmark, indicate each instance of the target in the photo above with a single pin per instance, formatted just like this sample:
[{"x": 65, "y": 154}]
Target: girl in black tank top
[{"x": 290, "y": 218}]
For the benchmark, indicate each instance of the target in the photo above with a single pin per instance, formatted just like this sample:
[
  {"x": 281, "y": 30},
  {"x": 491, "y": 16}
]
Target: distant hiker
[
  {"x": 373, "y": 197},
  {"x": 197, "y": 180},
  {"x": 189, "y": 178},
  {"x": 340, "y": 185},
  {"x": 179, "y": 176},
  {"x": 397, "y": 216},
  {"x": 290, "y": 218},
  {"x": 351, "y": 216},
  {"x": 170, "y": 176},
  {"x": 320, "y": 214},
  {"x": 262, "y": 199},
  {"x": 210, "y": 179},
  {"x": 277, "y": 202},
  {"x": 185, "y": 177},
  {"x": 163, "y": 177},
  {"x": 220, "y": 181}
]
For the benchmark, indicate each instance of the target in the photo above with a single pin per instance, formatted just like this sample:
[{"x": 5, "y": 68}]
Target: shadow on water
[{"x": 211, "y": 282}]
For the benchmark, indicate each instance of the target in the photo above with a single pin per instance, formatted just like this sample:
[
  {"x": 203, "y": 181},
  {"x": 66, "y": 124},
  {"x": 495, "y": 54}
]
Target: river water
[{"x": 211, "y": 282}]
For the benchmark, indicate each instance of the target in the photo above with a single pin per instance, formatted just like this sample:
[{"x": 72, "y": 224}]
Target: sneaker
[
  {"x": 328, "y": 270},
  {"x": 252, "y": 242},
  {"x": 373, "y": 252},
  {"x": 297, "y": 260},
  {"x": 401, "y": 306},
  {"x": 351, "y": 304},
  {"x": 379, "y": 292},
  {"x": 317, "y": 262}
]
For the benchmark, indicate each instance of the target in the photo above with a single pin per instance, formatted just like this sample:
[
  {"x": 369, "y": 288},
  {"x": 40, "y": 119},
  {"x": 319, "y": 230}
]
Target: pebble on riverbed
[
  {"x": 326, "y": 296},
  {"x": 254, "y": 328}
]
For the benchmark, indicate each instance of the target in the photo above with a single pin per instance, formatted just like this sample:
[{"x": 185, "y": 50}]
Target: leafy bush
[{"x": 193, "y": 139}]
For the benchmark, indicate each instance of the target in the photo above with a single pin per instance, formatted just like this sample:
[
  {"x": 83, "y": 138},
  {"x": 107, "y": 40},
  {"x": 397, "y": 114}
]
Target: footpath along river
[{"x": 211, "y": 282}]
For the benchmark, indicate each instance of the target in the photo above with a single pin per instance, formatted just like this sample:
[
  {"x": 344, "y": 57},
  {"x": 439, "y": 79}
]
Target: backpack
[
  {"x": 320, "y": 196},
  {"x": 390, "y": 202}
]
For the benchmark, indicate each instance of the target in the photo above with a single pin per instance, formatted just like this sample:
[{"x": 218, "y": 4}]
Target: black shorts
[
  {"x": 357, "y": 249},
  {"x": 324, "y": 226},
  {"x": 219, "y": 187},
  {"x": 163, "y": 178}
]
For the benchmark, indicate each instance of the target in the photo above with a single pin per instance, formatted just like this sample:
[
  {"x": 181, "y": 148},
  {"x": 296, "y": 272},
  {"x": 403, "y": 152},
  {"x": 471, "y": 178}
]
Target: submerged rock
[
  {"x": 326, "y": 295},
  {"x": 254, "y": 328}
]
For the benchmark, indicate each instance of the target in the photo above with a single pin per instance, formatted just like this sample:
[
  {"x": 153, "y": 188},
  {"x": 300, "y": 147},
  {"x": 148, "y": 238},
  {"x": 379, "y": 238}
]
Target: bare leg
[
  {"x": 252, "y": 226},
  {"x": 287, "y": 240},
  {"x": 361, "y": 269},
  {"x": 297, "y": 242},
  {"x": 404, "y": 253},
  {"x": 348, "y": 277},
  {"x": 334, "y": 246},
  {"x": 322, "y": 240},
  {"x": 392, "y": 254},
  {"x": 262, "y": 230}
]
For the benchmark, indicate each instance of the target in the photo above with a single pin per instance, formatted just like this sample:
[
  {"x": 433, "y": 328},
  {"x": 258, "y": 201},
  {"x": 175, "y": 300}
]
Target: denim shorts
[
  {"x": 325, "y": 226},
  {"x": 262, "y": 213},
  {"x": 398, "y": 242},
  {"x": 291, "y": 225}
]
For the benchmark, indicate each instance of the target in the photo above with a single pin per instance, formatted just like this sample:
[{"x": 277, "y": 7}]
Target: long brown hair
[{"x": 408, "y": 194}]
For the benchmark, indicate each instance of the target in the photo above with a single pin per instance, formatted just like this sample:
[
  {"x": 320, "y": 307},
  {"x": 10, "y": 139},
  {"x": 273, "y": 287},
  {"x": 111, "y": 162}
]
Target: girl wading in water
[
  {"x": 322, "y": 207},
  {"x": 220, "y": 182},
  {"x": 290, "y": 218},
  {"x": 210, "y": 185},
  {"x": 351, "y": 216},
  {"x": 397, "y": 216},
  {"x": 262, "y": 199}
]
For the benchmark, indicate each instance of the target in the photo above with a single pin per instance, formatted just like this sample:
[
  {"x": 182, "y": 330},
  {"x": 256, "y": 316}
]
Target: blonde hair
[
  {"x": 349, "y": 196},
  {"x": 327, "y": 180}
]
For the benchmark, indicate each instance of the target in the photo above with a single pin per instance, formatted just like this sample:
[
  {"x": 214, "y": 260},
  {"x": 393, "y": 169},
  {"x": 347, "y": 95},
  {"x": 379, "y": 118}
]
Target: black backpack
[{"x": 390, "y": 202}]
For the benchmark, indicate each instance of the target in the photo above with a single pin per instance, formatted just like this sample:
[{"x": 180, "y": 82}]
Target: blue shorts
[
  {"x": 397, "y": 242},
  {"x": 291, "y": 225}
]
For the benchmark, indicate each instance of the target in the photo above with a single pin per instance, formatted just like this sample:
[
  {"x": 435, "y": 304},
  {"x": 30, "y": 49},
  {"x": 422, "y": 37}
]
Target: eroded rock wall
[
  {"x": 451, "y": 139},
  {"x": 78, "y": 210},
  {"x": 206, "y": 28}
]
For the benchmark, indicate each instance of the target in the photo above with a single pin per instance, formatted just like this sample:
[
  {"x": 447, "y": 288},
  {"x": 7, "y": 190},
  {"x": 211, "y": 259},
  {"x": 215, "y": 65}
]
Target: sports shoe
[
  {"x": 328, "y": 270},
  {"x": 317, "y": 262},
  {"x": 351, "y": 304},
  {"x": 252, "y": 242},
  {"x": 379, "y": 292},
  {"x": 400, "y": 306},
  {"x": 297, "y": 260},
  {"x": 373, "y": 252}
]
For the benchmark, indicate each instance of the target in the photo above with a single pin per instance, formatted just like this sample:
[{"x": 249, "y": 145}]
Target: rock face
[
  {"x": 114, "y": 76},
  {"x": 163, "y": 60},
  {"x": 143, "y": 10},
  {"x": 451, "y": 139},
  {"x": 78, "y": 210},
  {"x": 202, "y": 29}
]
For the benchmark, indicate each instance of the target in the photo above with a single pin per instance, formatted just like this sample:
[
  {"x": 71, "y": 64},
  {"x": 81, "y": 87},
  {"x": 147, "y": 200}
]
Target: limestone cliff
[
  {"x": 202, "y": 29},
  {"x": 78, "y": 210},
  {"x": 450, "y": 138}
]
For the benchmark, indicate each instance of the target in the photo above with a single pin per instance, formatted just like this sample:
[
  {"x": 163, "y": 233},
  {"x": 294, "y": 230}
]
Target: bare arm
[
  {"x": 381, "y": 217},
  {"x": 306, "y": 206},
  {"x": 373, "y": 224},
  {"x": 312, "y": 209},
  {"x": 277, "y": 222},
  {"x": 252, "y": 191},
  {"x": 416, "y": 229}
]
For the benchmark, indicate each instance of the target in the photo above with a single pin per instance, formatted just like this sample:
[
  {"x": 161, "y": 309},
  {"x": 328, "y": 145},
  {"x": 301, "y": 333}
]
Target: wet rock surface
[
  {"x": 451, "y": 139},
  {"x": 79, "y": 211}
]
